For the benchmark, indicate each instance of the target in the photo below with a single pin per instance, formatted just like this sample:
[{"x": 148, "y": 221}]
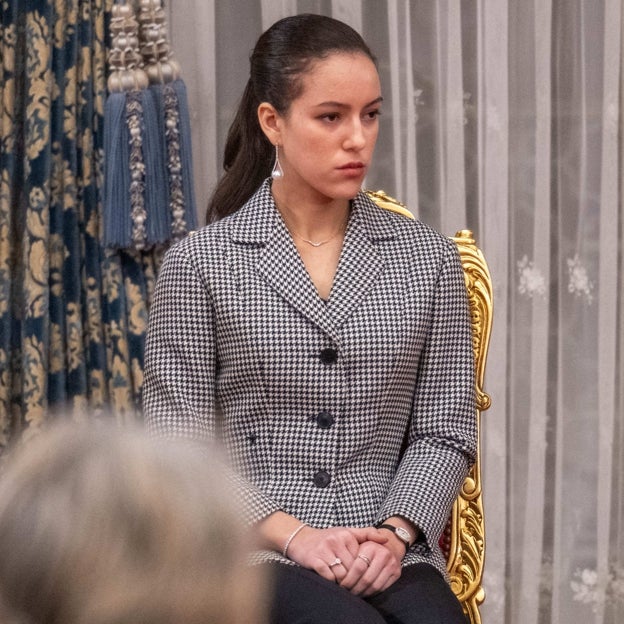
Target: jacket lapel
[
  {"x": 362, "y": 262},
  {"x": 259, "y": 227}
]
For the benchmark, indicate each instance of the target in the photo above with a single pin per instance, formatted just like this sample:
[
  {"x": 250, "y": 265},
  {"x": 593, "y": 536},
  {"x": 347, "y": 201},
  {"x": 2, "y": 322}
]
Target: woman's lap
[{"x": 420, "y": 596}]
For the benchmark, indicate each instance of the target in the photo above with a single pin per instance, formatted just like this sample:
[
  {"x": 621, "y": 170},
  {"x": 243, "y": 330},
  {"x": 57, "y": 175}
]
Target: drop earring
[{"x": 277, "y": 172}]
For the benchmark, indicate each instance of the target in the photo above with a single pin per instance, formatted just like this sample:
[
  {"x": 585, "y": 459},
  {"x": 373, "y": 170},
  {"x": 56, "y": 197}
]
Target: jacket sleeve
[
  {"x": 442, "y": 438},
  {"x": 181, "y": 367}
]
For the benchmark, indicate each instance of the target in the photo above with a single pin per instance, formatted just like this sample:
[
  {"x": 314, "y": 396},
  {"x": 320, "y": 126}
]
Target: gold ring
[
  {"x": 335, "y": 562},
  {"x": 365, "y": 559}
]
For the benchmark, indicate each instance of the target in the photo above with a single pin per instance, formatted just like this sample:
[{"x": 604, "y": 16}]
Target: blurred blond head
[{"x": 100, "y": 525}]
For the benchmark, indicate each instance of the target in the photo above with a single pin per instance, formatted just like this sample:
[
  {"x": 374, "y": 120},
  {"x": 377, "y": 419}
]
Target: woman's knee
[
  {"x": 420, "y": 596},
  {"x": 303, "y": 597}
]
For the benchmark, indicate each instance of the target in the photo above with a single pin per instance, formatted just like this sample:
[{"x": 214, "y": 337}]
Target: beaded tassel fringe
[
  {"x": 148, "y": 187},
  {"x": 170, "y": 95}
]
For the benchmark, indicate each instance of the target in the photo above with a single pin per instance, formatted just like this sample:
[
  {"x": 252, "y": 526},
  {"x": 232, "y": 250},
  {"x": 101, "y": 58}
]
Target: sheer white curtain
[{"x": 505, "y": 118}]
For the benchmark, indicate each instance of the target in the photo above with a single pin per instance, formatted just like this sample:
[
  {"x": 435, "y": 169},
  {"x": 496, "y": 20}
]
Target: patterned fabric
[
  {"x": 72, "y": 318},
  {"x": 315, "y": 400}
]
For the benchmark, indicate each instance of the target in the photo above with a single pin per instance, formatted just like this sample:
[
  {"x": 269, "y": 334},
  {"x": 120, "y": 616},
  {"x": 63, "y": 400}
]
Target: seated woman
[{"x": 326, "y": 341}]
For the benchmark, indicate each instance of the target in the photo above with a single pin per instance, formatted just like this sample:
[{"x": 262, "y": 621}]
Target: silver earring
[{"x": 277, "y": 172}]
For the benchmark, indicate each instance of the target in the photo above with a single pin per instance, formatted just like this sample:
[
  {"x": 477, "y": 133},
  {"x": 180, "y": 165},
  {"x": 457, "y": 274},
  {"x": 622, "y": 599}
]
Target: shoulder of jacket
[{"x": 197, "y": 243}]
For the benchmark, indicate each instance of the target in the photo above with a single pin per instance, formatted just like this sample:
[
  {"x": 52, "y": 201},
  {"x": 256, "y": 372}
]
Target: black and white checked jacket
[{"x": 341, "y": 413}]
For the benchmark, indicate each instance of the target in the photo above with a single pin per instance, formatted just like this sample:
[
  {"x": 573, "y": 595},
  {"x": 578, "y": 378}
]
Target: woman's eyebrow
[{"x": 343, "y": 105}]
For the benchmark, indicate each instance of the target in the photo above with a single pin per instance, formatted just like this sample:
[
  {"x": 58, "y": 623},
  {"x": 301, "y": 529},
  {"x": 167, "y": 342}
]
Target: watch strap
[{"x": 394, "y": 529}]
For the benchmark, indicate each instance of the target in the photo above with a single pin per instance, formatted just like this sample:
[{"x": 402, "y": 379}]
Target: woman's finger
[{"x": 360, "y": 567}]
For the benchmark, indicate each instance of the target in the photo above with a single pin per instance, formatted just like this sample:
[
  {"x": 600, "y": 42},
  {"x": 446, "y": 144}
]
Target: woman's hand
[
  {"x": 375, "y": 567},
  {"x": 363, "y": 560},
  {"x": 333, "y": 552}
]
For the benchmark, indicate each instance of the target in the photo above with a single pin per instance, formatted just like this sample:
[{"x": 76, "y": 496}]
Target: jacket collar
[
  {"x": 257, "y": 221},
  {"x": 259, "y": 225}
]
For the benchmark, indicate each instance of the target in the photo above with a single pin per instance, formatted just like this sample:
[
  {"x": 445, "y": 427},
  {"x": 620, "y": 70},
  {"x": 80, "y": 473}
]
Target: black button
[
  {"x": 321, "y": 479},
  {"x": 324, "y": 420},
  {"x": 329, "y": 356}
]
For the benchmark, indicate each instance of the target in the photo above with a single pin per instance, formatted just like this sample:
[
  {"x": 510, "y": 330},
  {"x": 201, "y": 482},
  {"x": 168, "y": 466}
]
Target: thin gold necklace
[
  {"x": 319, "y": 243},
  {"x": 316, "y": 244}
]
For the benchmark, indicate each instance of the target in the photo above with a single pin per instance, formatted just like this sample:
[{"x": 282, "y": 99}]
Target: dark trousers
[{"x": 420, "y": 596}]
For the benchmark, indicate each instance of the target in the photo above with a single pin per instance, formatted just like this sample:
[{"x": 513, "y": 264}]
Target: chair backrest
[{"x": 463, "y": 542}]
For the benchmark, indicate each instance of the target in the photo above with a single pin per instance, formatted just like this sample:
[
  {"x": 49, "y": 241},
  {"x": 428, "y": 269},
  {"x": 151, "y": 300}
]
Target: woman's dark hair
[{"x": 282, "y": 55}]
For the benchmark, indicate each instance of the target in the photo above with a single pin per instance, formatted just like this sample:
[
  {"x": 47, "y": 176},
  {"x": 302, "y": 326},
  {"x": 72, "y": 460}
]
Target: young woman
[{"x": 325, "y": 341}]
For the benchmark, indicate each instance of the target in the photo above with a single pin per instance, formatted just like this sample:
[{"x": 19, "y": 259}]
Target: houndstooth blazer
[{"x": 341, "y": 413}]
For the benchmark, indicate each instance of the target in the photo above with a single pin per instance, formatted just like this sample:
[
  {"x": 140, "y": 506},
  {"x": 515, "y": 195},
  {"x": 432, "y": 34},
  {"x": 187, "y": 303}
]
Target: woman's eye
[
  {"x": 330, "y": 117},
  {"x": 372, "y": 114}
]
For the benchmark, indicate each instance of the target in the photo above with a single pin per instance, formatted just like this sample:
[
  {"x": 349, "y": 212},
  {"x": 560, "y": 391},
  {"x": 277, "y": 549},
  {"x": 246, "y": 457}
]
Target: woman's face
[{"x": 328, "y": 134}]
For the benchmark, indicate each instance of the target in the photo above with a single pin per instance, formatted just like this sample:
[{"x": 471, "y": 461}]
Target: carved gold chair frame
[{"x": 464, "y": 539}]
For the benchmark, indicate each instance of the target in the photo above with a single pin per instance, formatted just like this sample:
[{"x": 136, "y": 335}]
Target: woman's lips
[
  {"x": 352, "y": 169},
  {"x": 353, "y": 165}
]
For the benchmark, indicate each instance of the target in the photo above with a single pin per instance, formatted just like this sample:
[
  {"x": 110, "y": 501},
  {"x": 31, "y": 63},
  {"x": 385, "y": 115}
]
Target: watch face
[{"x": 403, "y": 534}]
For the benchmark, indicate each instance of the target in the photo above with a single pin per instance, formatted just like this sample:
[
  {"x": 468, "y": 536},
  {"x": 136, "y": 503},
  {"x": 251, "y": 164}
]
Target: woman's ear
[{"x": 270, "y": 122}]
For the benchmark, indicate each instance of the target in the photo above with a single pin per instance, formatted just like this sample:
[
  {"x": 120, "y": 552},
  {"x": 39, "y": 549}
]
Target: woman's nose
[{"x": 356, "y": 138}]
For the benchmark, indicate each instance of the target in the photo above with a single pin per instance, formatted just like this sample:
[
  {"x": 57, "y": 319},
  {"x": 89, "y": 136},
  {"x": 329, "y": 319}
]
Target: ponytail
[{"x": 247, "y": 160}]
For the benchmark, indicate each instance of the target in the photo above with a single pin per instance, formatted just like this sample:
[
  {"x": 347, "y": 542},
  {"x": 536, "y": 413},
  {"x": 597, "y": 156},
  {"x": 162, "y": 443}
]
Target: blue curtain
[{"x": 72, "y": 314}]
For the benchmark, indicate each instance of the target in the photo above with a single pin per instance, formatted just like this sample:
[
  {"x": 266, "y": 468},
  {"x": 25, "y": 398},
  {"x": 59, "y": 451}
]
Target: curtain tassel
[
  {"x": 133, "y": 187},
  {"x": 171, "y": 102}
]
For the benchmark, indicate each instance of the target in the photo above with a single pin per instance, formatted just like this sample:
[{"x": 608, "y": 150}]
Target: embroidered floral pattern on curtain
[{"x": 72, "y": 317}]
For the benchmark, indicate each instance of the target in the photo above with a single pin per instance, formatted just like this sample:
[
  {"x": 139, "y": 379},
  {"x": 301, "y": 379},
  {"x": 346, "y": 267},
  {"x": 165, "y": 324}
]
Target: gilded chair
[{"x": 463, "y": 542}]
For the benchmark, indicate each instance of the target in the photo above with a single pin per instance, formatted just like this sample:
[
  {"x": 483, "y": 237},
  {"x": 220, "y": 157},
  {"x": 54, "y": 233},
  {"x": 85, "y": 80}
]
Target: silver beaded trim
[
  {"x": 179, "y": 226},
  {"x": 134, "y": 115}
]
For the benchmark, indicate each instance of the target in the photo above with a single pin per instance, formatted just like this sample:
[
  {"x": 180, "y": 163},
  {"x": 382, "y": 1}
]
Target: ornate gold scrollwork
[
  {"x": 467, "y": 546},
  {"x": 383, "y": 200}
]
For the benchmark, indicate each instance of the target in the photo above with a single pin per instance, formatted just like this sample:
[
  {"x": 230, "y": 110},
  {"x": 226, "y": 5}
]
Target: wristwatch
[{"x": 400, "y": 532}]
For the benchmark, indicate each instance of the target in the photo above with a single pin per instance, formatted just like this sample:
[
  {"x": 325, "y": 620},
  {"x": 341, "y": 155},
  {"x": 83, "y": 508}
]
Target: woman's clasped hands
[{"x": 363, "y": 560}]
